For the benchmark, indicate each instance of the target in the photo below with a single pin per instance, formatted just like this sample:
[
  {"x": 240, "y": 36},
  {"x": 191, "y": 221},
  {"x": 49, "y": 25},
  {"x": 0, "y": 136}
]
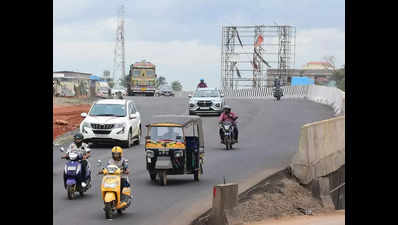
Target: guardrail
[{"x": 331, "y": 96}]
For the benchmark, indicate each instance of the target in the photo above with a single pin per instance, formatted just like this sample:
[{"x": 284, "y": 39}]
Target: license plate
[
  {"x": 204, "y": 107},
  {"x": 163, "y": 163},
  {"x": 72, "y": 168},
  {"x": 143, "y": 89},
  {"x": 100, "y": 135}
]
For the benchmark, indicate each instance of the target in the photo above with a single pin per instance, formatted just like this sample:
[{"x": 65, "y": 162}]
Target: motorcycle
[
  {"x": 278, "y": 93},
  {"x": 72, "y": 171},
  {"x": 114, "y": 198},
  {"x": 228, "y": 130}
]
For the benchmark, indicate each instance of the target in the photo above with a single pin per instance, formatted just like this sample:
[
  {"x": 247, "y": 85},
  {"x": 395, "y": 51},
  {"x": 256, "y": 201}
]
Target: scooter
[
  {"x": 114, "y": 199},
  {"x": 228, "y": 131},
  {"x": 72, "y": 173}
]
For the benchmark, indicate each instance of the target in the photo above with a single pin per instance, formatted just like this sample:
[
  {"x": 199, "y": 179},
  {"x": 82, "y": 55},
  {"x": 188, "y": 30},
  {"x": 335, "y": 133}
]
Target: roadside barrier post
[{"x": 225, "y": 197}]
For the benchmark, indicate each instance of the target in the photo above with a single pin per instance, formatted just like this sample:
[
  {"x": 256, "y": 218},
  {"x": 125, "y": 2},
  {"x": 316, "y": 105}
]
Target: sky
[{"x": 183, "y": 38}]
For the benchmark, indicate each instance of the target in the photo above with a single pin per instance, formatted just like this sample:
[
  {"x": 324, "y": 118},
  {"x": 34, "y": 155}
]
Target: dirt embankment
[
  {"x": 279, "y": 196},
  {"x": 66, "y": 113}
]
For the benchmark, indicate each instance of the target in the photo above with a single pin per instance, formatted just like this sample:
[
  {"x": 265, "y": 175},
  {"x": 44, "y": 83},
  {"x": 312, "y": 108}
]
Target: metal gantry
[
  {"x": 119, "y": 51},
  {"x": 248, "y": 51}
]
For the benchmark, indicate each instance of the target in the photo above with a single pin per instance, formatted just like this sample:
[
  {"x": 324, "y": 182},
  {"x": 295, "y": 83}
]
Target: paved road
[{"x": 269, "y": 133}]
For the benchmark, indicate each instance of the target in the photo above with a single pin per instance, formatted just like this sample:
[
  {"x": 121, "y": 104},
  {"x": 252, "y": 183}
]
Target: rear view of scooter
[{"x": 114, "y": 198}]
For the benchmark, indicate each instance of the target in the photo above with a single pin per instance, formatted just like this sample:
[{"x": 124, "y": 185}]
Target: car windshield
[
  {"x": 206, "y": 93},
  {"x": 108, "y": 110},
  {"x": 166, "y": 133}
]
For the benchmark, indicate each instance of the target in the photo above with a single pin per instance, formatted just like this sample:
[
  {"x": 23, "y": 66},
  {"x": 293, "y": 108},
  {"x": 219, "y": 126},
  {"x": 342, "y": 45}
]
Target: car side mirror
[
  {"x": 99, "y": 162},
  {"x": 133, "y": 116},
  {"x": 62, "y": 149},
  {"x": 189, "y": 96},
  {"x": 84, "y": 115},
  {"x": 147, "y": 137},
  {"x": 222, "y": 95}
]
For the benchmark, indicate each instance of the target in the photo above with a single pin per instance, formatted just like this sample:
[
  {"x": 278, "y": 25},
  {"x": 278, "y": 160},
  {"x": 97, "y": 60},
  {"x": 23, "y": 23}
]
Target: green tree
[
  {"x": 338, "y": 74},
  {"x": 176, "y": 86},
  {"x": 160, "y": 81}
]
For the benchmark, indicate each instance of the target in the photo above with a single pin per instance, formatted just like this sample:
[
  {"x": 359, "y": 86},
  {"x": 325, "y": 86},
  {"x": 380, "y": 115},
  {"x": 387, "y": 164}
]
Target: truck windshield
[
  {"x": 149, "y": 72},
  {"x": 166, "y": 133},
  {"x": 117, "y": 110},
  {"x": 206, "y": 93}
]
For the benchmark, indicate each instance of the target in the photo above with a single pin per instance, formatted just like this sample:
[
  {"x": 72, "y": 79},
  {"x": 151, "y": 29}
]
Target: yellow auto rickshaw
[{"x": 174, "y": 146}]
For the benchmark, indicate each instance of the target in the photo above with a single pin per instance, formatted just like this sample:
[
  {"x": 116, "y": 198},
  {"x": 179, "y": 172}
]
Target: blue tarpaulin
[
  {"x": 93, "y": 77},
  {"x": 301, "y": 81}
]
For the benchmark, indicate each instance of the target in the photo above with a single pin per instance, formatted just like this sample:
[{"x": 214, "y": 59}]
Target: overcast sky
[{"x": 183, "y": 38}]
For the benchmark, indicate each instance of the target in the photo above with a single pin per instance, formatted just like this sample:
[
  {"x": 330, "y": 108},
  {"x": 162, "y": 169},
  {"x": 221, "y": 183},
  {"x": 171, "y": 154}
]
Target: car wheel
[
  {"x": 138, "y": 141},
  {"x": 129, "y": 142}
]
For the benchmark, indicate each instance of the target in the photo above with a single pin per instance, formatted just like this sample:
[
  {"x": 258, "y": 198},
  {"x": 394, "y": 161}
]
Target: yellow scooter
[{"x": 110, "y": 190}]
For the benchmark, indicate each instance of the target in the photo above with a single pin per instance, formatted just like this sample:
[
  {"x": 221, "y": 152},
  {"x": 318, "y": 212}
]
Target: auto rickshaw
[{"x": 174, "y": 146}]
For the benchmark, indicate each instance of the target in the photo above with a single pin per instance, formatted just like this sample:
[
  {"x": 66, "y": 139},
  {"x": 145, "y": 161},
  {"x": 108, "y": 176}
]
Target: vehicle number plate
[
  {"x": 204, "y": 108},
  {"x": 143, "y": 89},
  {"x": 72, "y": 168}
]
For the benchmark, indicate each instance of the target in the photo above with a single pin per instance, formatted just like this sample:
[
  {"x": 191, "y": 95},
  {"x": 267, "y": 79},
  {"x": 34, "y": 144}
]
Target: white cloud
[
  {"x": 314, "y": 44},
  {"x": 88, "y": 47}
]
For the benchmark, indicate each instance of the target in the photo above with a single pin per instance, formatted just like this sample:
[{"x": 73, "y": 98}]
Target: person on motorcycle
[
  {"x": 202, "y": 83},
  {"x": 82, "y": 148},
  {"x": 229, "y": 116},
  {"x": 119, "y": 161}
]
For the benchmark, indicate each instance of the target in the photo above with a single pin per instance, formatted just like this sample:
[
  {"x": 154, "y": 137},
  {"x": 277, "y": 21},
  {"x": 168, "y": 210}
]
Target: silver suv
[{"x": 206, "y": 101}]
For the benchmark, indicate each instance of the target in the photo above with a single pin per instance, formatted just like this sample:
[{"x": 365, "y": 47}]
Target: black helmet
[
  {"x": 78, "y": 138},
  {"x": 227, "y": 108}
]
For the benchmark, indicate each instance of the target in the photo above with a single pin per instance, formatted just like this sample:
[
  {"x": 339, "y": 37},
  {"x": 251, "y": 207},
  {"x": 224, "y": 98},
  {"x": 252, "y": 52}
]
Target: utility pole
[{"x": 119, "y": 51}]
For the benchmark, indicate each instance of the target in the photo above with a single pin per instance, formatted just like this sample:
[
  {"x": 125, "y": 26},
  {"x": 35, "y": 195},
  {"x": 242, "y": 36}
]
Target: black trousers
[{"x": 236, "y": 132}]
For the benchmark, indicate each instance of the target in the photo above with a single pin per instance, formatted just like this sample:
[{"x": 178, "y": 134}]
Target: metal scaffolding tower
[
  {"x": 248, "y": 51},
  {"x": 119, "y": 53}
]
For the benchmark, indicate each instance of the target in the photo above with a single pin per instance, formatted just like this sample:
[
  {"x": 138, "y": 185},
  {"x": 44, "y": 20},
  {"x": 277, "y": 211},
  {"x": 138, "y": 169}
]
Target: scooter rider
[
  {"x": 83, "y": 149},
  {"x": 229, "y": 116},
  {"x": 119, "y": 161},
  {"x": 202, "y": 83}
]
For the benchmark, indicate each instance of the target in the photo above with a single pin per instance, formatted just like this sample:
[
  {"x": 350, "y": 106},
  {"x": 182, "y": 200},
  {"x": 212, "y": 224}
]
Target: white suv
[
  {"x": 110, "y": 121},
  {"x": 206, "y": 101}
]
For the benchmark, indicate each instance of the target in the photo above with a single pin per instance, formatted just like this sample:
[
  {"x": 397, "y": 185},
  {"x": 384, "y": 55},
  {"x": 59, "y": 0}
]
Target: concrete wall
[{"x": 321, "y": 149}]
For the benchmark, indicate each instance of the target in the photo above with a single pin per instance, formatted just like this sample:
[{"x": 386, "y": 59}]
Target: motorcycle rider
[
  {"x": 119, "y": 161},
  {"x": 202, "y": 83},
  {"x": 82, "y": 148},
  {"x": 229, "y": 116}
]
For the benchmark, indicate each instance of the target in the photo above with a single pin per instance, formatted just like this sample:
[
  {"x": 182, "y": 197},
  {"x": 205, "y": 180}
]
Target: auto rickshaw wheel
[
  {"x": 196, "y": 174},
  {"x": 108, "y": 210},
  {"x": 153, "y": 176},
  {"x": 163, "y": 178},
  {"x": 120, "y": 211}
]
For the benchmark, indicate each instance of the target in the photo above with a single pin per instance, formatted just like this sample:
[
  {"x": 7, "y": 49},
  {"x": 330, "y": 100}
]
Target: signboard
[{"x": 301, "y": 81}]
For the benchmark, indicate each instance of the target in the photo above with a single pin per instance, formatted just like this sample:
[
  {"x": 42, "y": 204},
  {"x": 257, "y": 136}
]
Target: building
[
  {"x": 319, "y": 71},
  {"x": 317, "y": 66},
  {"x": 70, "y": 83}
]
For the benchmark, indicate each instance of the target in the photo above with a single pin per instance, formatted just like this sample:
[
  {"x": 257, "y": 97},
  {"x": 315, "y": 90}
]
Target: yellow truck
[{"x": 142, "y": 79}]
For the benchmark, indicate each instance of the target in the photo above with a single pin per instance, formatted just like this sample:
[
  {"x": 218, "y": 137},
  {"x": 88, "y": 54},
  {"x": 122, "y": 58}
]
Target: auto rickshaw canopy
[{"x": 179, "y": 121}]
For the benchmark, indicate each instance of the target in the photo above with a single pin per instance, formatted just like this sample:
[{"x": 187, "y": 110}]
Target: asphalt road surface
[{"x": 268, "y": 138}]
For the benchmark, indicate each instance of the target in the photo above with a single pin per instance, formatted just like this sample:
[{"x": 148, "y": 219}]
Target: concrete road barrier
[
  {"x": 321, "y": 149},
  {"x": 225, "y": 198}
]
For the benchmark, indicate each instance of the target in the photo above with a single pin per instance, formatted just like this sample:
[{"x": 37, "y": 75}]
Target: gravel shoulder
[{"x": 334, "y": 218}]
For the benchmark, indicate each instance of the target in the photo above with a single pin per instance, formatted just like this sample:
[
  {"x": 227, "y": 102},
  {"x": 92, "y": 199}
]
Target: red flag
[{"x": 260, "y": 40}]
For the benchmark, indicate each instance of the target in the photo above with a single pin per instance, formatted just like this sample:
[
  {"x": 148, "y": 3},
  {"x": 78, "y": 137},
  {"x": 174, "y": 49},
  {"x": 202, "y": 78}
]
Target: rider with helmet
[
  {"x": 119, "y": 161},
  {"x": 202, "y": 83},
  {"x": 84, "y": 152},
  {"x": 229, "y": 116}
]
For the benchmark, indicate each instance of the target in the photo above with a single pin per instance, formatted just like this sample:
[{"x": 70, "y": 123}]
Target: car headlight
[
  {"x": 217, "y": 104},
  {"x": 110, "y": 185},
  {"x": 178, "y": 153},
  {"x": 85, "y": 125},
  {"x": 150, "y": 153},
  {"x": 121, "y": 132}
]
